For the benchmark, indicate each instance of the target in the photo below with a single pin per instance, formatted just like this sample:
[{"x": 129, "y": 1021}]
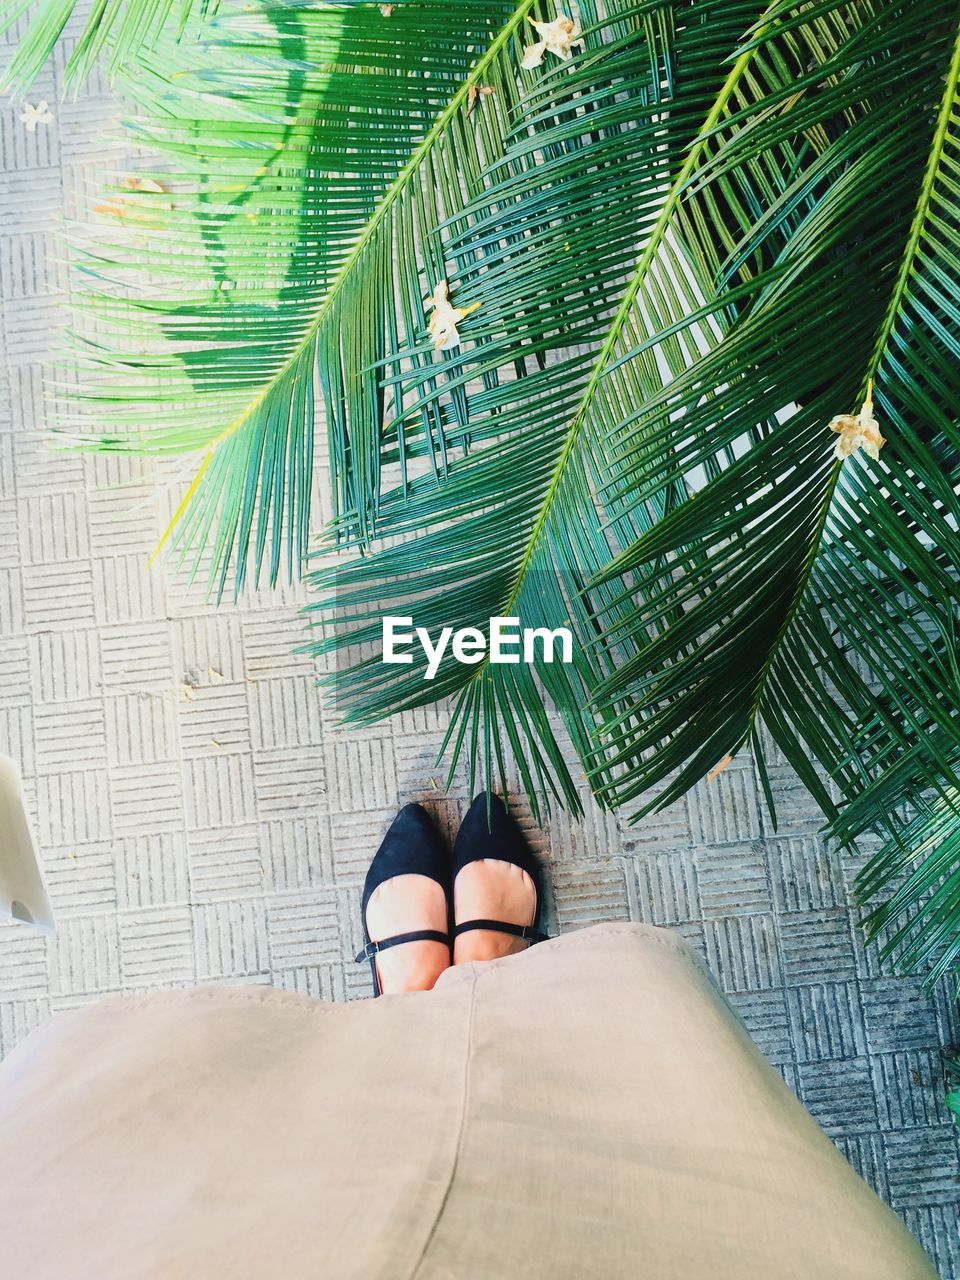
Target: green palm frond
[
  {"x": 526, "y": 532},
  {"x": 914, "y": 882},
  {"x": 311, "y": 157},
  {"x": 683, "y": 252},
  {"x": 116, "y": 32},
  {"x": 540, "y": 514},
  {"x": 910, "y": 746},
  {"x": 951, "y": 1065},
  {"x": 828, "y": 608}
]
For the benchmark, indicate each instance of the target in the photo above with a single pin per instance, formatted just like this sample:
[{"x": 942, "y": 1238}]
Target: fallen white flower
[
  {"x": 32, "y": 116},
  {"x": 442, "y": 326},
  {"x": 386, "y": 10},
  {"x": 858, "y": 431},
  {"x": 557, "y": 37}
]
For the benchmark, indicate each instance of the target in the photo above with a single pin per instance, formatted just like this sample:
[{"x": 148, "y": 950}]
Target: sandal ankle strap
[
  {"x": 418, "y": 935},
  {"x": 525, "y": 931}
]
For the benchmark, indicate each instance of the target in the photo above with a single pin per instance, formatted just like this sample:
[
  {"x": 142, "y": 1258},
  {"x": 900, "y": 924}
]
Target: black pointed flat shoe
[
  {"x": 488, "y": 831},
  {"x": 411, "y": 847}
]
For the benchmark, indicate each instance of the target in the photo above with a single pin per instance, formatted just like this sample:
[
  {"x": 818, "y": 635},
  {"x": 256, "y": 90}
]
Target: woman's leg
[
  {"x": 491, "y": 890},
  {"x": 400, "y": 905},
  {"x": 495, "y": 879},
  {"x": 406, "y": 905}
]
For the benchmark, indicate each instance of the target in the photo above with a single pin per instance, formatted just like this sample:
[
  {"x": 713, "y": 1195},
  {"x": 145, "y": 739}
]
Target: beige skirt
[{"x": 589, "y": 1109}]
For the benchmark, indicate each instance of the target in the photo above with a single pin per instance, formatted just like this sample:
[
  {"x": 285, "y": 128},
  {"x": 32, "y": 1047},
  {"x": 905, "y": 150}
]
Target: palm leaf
[
  {"x": 688, "y": 249},
  {"x": 116, "y": 31},
  {"x": 522, "y": 507},
  {"x": 286, "y": 250},
  {"x": 840, "y": 580},
  {"x": 529, "y": 531}
]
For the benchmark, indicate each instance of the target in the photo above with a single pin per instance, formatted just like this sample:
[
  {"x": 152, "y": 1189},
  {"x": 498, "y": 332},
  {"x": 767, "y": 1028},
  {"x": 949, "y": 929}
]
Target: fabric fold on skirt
[{"x": 589, "y": 1109}]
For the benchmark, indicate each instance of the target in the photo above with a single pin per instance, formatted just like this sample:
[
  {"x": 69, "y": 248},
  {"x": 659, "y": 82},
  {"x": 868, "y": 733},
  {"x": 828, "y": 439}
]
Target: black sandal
[
  {"x": 488, "y": 831},
  {"x": 411, "y": 847}
]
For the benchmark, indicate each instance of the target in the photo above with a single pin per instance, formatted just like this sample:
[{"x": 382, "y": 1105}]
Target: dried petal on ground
[
  {"x": 718, "y": 768},
  {"x": 32, "y": 116}
]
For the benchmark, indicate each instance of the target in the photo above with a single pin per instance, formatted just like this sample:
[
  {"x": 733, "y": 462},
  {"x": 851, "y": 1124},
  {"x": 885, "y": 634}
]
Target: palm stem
[
  {"x": 647, "y": 256},
  {"x": 883, "y": 337},
  {"x": 386, "y": 202},
  {"x": 923, "y": 207}
]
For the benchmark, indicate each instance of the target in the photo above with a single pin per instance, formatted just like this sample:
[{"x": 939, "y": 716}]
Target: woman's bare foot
[
  {"x": 490, "y": 889},
  {"x": 402, "y": 905}
]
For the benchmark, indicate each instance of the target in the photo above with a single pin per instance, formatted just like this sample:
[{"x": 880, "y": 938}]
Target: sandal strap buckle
[
  {"x": 371, "y": 949},
  {"x": 528, "y": 932}
]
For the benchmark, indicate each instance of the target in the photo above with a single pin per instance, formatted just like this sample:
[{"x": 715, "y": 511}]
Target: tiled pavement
[{"x": 202, "y": 818}]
